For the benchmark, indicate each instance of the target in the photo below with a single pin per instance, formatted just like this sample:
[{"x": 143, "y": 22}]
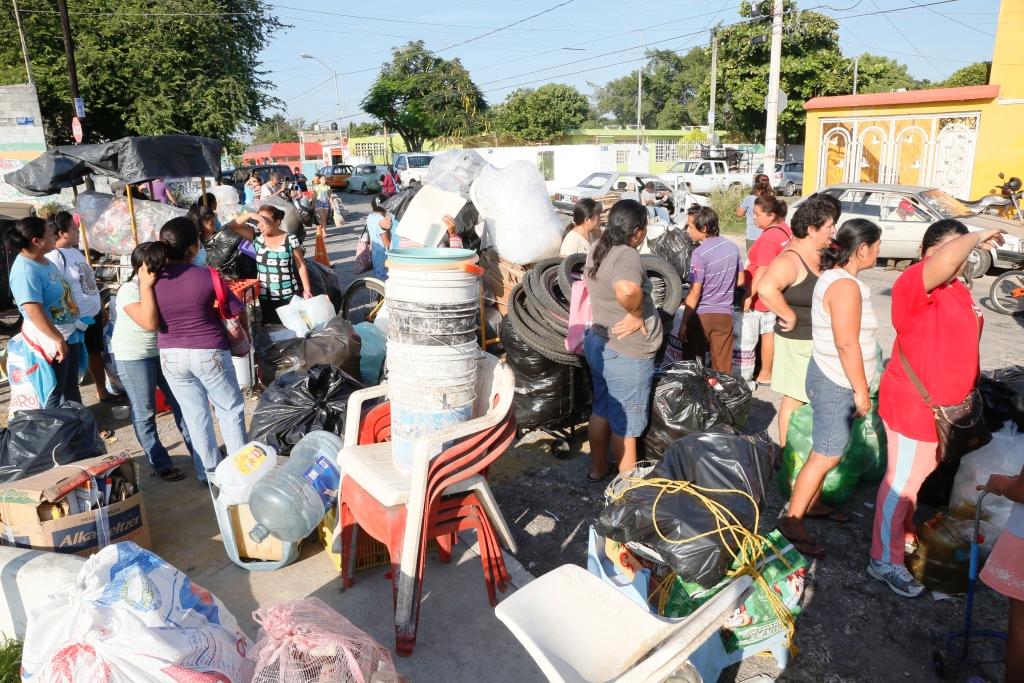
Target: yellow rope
[{"x": 750, "y": 545}]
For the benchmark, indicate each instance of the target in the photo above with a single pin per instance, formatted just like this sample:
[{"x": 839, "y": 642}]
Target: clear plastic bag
[
  {"x": 1004, "y": 454},
  {"x": 108, "y": 221},
  {"x": 518, "y": 215},
  {"x": 455, "y": 170}
]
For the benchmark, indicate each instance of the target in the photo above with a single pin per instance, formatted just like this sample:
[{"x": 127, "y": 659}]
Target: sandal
[
  {"x": 108, "y": 435},
  {"x": 171, "y": 474},
  {"x": 830, "y": 514},
  {"x": 598, "y": 480},
  {"x": 808, "y": 547},
  {"x": 114, "y": 400}
]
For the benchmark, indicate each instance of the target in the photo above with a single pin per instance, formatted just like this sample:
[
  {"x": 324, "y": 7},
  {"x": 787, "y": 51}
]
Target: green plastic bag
[
  {"x": 756, "y": 620},
  {"x": 865, "y": 455}
]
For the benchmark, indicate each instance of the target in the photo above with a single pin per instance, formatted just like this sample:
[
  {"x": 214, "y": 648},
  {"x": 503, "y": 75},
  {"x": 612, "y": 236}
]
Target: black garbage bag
[
  {"x": 335, "y": 343},
  {"x": 689, "y": 399},
  {"x": 34, "y": 439},
  {"x": 676, "y": 247},
  {"x": 396, "y": 204},
  {"x": 722, "y": 460},
  {"x": 542, "y": 385},
  {"x": 735, "y": 395},
  {"x": 323, "y": 280},
  {"x": 222, "y": 253},
  {"x": 301, "y": 402},
  {"x": 1002, "y": 395},
  {"x": 465, "y": 227}
]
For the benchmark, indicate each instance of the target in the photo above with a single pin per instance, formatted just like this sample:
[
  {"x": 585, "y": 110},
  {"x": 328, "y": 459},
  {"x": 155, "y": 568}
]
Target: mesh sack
[{"x": 305, "y": 641}]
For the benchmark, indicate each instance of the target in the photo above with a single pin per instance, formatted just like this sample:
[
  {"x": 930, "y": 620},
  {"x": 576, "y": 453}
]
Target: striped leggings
[{"x": 909, "y": 464}]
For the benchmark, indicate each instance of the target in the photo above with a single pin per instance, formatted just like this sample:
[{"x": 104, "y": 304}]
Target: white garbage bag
[
  {"x": 455, "y": 170},
  {"x": 1004, "y": 454},
  {"x": 520, "y": 220},
  {"x": 226, "y": 195},
  {"x": 128, "y": 617}
]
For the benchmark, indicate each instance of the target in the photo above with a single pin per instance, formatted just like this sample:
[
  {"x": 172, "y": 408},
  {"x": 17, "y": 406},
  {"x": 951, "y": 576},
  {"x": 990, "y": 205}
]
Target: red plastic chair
[{"x": 445, "y": 516}]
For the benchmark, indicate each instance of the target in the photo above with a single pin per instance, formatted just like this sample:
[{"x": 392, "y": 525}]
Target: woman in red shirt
[
  {"x": 770, "y": 216},
  {"x": 938, "y": 328}
]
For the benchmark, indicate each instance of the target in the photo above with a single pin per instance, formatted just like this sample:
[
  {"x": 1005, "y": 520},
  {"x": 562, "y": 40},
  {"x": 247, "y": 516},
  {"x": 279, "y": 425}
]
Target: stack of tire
[{"x": 534, "y": 331}]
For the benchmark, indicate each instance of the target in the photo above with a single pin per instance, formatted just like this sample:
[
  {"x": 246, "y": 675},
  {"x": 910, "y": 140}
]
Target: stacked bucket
[{"x": 433, "y": 303}]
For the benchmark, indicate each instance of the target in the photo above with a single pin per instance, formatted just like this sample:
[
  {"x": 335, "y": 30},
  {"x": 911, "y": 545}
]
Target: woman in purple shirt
[{"x": 194, "y": 350}]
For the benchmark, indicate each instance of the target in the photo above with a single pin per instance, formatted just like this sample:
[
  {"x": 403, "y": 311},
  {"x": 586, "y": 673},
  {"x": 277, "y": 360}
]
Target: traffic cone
[{"x": 320, "y": 254}]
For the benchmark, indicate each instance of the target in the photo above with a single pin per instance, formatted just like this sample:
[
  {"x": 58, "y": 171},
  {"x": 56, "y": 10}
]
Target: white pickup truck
[{"x": 701, "y": 176}]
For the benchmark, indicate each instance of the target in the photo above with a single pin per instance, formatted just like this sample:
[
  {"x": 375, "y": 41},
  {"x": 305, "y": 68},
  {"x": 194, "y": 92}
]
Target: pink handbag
[
  {"x": 238, "y": 336},
  {"x": 580, "y": 317}
]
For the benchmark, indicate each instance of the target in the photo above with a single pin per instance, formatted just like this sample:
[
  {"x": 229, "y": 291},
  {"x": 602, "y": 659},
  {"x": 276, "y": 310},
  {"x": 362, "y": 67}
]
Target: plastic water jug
[
  {"x": 291, "y": 500},
  {"x": 239, "y": 472}
]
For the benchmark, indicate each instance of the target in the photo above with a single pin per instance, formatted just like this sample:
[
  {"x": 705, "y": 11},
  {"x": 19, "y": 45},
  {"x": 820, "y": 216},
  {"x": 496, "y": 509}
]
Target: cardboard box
[
  {"x": 27, "y": 507},
  {"x": 242, "y": 522}
]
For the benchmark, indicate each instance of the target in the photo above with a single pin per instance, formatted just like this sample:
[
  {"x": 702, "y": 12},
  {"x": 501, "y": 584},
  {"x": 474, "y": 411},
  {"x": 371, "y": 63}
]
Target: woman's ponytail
[{"x": 853, "y": 234}]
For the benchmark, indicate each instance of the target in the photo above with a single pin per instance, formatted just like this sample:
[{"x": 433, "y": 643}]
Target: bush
[
  {"x": 724, "y": 202},
  {"x": 10, "y": 661}
]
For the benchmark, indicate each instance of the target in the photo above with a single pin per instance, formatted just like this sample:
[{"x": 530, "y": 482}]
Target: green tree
[
  {"x": 144, "y": 68},
  {"x": 973, "y": 74},
  {"x": 420, "y": 96},
  {"x": 543, "y": 114},
  {"x": 363, "y": 130},
  {"x": 671, "y": 96},
  {"x": 812, "y": 65},
  {"x": 277, "y": 129},
  {"x": 881, "y": 74}
]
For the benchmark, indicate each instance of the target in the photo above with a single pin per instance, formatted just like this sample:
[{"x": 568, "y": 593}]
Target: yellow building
[{"x": 955, "y": 139}]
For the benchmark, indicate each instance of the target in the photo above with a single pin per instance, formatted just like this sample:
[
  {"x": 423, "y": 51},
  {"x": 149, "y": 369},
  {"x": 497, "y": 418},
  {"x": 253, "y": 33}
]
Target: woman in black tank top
[{"x": 786, "y": 289}]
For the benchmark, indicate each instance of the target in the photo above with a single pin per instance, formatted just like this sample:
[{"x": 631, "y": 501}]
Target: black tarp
[{"x": 132, "y": 160}]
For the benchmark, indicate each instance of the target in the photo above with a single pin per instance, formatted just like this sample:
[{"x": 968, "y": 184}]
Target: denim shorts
[
  {"x": 622, "y": 386},
  {"x": 833, "y": 409}
]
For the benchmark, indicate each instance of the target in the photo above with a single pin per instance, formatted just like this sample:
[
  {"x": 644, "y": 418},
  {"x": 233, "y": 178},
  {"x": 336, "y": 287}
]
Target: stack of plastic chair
[
  {"x": 580, "y": 629},
  {"x": 445, "y": 492}
]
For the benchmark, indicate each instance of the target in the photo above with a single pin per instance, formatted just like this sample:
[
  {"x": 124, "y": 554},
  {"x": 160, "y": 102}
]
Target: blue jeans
[
  {"x": 67, "y": 377},
  {"x": 199, "y": 377},
  {"x": 140, "y": 379},
  {"x": 622, "y": 386}
]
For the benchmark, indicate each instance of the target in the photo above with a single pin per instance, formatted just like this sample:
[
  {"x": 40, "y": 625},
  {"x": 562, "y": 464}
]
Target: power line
[
  {"x": 906, "y": 38},
  {"x": 962, "y": 23},
  {"x": 502, "y": 28}
]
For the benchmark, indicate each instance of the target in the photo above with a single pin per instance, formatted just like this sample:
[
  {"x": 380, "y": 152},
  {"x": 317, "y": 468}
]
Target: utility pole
[
  {"x": 24, "y": 45},
  {"x": 856, "y": 61},
  {"x": 772, "y": 122},
  {"x": 639, "y": 88},
  {"x": 714, "y": 87},
  {"x": 69, "y": 51}
]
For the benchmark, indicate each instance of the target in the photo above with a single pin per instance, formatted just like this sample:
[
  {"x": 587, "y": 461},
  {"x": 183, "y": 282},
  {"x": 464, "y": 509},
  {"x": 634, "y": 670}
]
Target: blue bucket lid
[{"x": 429, "y": 255}]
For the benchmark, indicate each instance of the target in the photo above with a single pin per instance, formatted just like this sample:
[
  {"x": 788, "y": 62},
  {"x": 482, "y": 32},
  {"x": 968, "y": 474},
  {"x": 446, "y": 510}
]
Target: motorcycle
[{"x": 1006, "y": 204}]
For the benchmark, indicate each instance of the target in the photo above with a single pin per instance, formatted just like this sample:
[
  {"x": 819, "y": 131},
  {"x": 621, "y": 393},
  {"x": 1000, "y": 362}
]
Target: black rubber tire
[
  {"x": 790, "y": 189},
  {"x": 565, "y": 271},
  {"x": 541, "y": 321},
  {"x": 356, "y": 286},
  {"x": 981, "y": 266},
  {"x": 673, "y": 283},
  {"x": 551, "y": 288},
  {"x": 999, "y": 293},
  {"x": 538, "y": 291},
  {"x": 550, "y": 347}
]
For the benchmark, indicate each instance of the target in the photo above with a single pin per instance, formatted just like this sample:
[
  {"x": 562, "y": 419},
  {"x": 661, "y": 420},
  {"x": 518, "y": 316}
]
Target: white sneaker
[{"x": 897, "y": 577}]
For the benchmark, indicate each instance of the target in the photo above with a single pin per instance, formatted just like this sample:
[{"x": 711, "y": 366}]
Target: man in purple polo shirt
[{"x": 715, "y": 272}]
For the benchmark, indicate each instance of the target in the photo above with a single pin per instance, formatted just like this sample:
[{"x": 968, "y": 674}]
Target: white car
[
  {"x": 627, "y": 184},
  {"x": 904, "y": 212},
  {"x": 703, "y": 176},
  {"x": 412, "y": 166}
]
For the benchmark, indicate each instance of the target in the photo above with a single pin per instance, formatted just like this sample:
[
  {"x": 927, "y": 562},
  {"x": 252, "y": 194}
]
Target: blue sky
[{"x": 564, "y": 43}]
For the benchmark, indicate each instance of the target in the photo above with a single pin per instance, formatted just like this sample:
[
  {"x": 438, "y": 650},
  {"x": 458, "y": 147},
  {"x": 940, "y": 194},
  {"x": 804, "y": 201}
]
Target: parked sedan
[
  {"x": 904, "y": 212},
  {"x": 628, "y": 184},
  {"x": 366, "y": 178},
  {"x": 336, "y": 176}
]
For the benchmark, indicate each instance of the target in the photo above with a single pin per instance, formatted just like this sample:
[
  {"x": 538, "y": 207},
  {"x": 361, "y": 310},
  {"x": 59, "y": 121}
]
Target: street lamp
[{"x": 334, "y": 74}]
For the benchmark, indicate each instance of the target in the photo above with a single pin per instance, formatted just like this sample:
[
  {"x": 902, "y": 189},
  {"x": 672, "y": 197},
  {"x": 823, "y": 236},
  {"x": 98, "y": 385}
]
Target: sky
[{"x": 507, "y": 44}]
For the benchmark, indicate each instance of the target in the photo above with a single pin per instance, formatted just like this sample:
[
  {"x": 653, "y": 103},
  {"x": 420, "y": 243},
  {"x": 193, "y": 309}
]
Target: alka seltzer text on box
[{"x": 34, "y": 513}]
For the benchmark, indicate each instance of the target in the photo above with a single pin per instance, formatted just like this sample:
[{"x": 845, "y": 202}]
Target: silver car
[
  {"x": 628, "y": 183},
  {"x": 788, "y": 177},
  {"x": 904, "y": 212}
]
